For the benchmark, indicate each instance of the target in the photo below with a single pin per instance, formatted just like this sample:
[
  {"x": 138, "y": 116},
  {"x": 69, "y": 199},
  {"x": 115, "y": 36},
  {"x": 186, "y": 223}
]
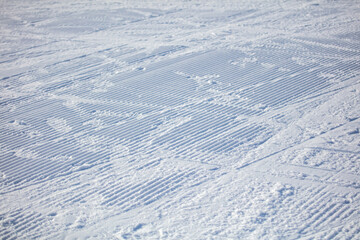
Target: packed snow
[{"x": 180, "y": 119}]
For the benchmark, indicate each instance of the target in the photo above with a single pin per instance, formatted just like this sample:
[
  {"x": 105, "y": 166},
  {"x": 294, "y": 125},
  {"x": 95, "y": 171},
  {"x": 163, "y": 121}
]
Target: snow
[{"x": 179, "y": 119}]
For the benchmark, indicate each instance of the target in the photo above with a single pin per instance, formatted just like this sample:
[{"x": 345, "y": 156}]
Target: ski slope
[{"x": 180, "y": 119}]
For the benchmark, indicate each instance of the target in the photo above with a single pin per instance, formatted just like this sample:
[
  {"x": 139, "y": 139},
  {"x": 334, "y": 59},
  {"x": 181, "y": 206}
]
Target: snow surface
[{"x": 179, "y": 119}]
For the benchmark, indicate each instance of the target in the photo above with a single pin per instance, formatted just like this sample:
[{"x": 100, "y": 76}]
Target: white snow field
[{"x": 179, "y": 119}]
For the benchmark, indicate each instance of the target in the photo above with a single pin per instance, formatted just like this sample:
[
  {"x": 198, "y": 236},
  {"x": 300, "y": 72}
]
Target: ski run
[{"x": 180, "y": 119}]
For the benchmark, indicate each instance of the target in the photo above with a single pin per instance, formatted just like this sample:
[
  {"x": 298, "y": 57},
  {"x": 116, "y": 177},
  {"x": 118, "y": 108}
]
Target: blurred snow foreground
[{"x": 180, "y": 119}]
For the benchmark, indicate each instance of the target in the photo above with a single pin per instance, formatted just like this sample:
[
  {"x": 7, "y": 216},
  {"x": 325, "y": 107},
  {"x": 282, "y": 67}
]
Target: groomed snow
[{"x": 179, "y": 119}]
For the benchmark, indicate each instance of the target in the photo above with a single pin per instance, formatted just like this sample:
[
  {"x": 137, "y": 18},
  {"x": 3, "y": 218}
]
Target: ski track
[{"x": 164, "y": 120}]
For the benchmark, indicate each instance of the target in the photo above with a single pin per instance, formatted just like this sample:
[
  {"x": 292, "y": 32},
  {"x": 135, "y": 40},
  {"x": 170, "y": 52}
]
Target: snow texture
[{"x": 180, "y": 119}]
